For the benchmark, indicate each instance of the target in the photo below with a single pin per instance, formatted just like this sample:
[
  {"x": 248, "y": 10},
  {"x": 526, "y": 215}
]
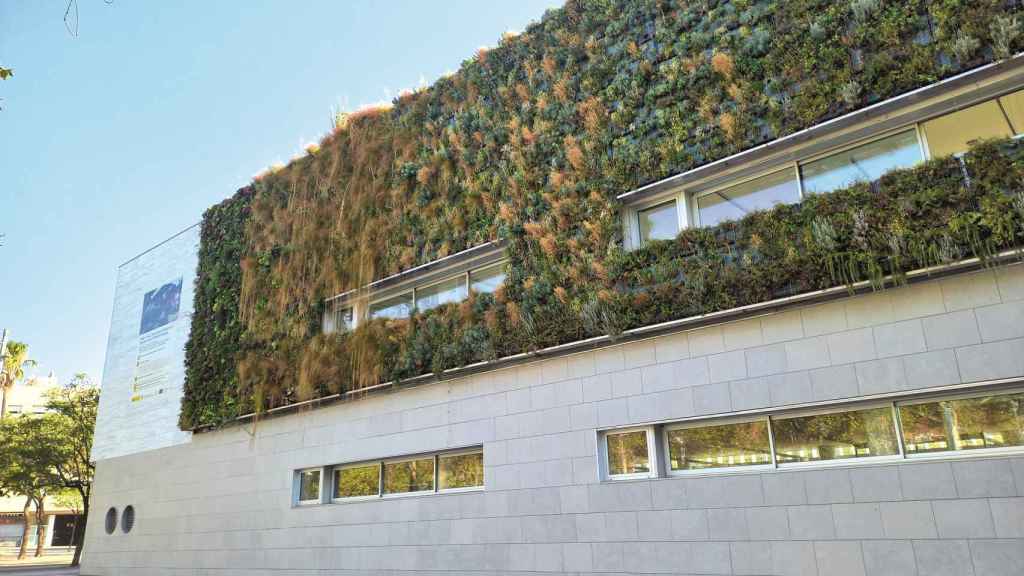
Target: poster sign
[{"x": 160, "y": 310}]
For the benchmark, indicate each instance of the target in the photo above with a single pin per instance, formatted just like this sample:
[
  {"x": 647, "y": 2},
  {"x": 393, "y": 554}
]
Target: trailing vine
[{"x": 530, "y": 142}]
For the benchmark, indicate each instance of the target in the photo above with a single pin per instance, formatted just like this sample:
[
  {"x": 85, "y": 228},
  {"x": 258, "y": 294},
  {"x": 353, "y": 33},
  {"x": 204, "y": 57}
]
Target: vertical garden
[{"x": 530, "y": 142}]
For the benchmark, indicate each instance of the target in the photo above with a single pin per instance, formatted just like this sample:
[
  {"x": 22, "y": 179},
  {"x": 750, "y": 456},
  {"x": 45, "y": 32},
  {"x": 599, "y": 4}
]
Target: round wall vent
[
  {"x": 111, "y": 520},
  {"x": 128, "y": 519}
]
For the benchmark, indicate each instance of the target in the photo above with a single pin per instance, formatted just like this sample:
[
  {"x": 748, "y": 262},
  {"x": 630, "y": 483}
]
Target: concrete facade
[{"x": 222, "y": 503}]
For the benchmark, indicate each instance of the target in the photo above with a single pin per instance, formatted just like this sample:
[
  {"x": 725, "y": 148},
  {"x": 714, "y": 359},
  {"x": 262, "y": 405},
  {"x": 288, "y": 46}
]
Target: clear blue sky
[{"x": 112, "y": 141}]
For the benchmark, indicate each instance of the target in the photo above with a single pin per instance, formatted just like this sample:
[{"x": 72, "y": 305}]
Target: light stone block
[
  {"x": 951, "y": 330},
  {"x": 824, "y": 318},
  {"x": 963, "y": 519},
  {"x": 899, "y": 338}
]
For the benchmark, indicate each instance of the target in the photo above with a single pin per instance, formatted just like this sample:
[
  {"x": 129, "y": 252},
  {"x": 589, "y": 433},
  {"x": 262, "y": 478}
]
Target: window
[
  {"x": 445, "y": 292},
  {"x": 963, "y": 424},
  {"x": 955, "y": 133},
  {"x": 722, "y": 446},
  {"x": 736, "y": 201},
  {"x": 460, "y": 470},
  {"x": 865, "y": 163},
  {"x": 409, "y": 476},
  {"x": 1013, "y": 106},
  {"x": 487, "y": 280},
  {"x": 339, "y": 319},
  {"x": 835, "y": 435},
  {"x": 395, "y": 308},
  {"x": 660, "y": 222},
  {"x": 14, "y": 409},
  {"x": 357, "y": 481},
  {"x": 628, "y": 454},
  {"x": 309, "y": 486}
]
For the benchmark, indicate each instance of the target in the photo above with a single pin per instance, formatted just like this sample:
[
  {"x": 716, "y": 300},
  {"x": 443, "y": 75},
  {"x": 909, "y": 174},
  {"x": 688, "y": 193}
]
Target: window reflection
[
  {"x": 964, "y": 424},
  {"x": 394, "y": 308},
  {"x": 409, "y": 476},
  {"x": 487, "y": 280},
  {"x": 357, "y": 481},
  {"x": 955, "y": 133},
  {"x": 628, "y": 453},
  {"x": 736, "y": 201},
  {"x": 743, "y": 444},
  {"x": 460, "y": 470},
  {"x": 839, "y": 435},
  {"x": 309, "y": 485},
  {"x": 659, "y": 222},
  {"x": 864, "y": 163},
  {"x": 452, "y": 290}
]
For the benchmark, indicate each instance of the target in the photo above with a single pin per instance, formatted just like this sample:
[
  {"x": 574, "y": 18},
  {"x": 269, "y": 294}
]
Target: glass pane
[
  {"x": 627, "y": 453},
  {"x": 461, "y": 470},
  {"x": 744, "y": 444},
  {"x": 394, "y": 308},
  {"x": 487, "y": 280},
  {"x": 759, "y": 194},
  {"x": 409, "y": 476},
  {"x": 864, "y": 163},
  {"x": 659, "y": 222},
  {"x": 357, "y": 481},
  {"x": 966, "y": 424},
  {"x": 343, "y": 320},
  {"x": 309, "y": 485},
  {"x": 954, "y": 133},
  {"x": 453, "y": 290},
  {"x": 855, "y": 434},
  {"x": 1013, "y": 105}
]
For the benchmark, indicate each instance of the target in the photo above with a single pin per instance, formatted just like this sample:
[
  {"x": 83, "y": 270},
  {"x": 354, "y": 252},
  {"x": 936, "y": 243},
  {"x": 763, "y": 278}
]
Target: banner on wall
[{"x": 160, "y": 311}]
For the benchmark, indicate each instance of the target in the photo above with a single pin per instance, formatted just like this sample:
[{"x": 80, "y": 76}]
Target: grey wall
[{"x": 222, "y": 504}]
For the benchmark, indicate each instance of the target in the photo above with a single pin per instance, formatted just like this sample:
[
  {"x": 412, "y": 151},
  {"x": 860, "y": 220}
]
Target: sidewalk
[{"x": 59, "y": 558}]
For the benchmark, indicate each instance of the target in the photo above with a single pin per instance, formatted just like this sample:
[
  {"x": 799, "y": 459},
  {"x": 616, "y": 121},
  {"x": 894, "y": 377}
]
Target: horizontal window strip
[
  {"x": 430, "y": 473},
  {"x": 868, "y": 431}
]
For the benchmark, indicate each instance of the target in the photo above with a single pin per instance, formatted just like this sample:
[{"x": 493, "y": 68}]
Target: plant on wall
[{"x": 529, "y": 143}]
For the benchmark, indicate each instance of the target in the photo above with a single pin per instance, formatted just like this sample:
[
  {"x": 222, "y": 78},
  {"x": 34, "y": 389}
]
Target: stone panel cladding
[{"x": 222, "y": 504}]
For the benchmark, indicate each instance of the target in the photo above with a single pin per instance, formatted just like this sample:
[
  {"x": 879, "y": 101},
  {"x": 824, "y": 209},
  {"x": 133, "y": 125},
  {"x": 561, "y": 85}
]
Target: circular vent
[
  {"x": 128, "y": 519},
  {"x": 111, "y": 520}
]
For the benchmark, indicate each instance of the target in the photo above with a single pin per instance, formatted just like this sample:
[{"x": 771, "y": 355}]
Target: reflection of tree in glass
[
  {"x": 409, "y": 476},
  {"x": 309, "y": 485},
  {"x": 964, "y": 424},
  {"x": 854, "y": 434},
  {"x": 461, "y": 470},
  {"x": 360, "y": 481},
  {"x": 741, "y": 444},
  {"x": 627, "y": 453}
]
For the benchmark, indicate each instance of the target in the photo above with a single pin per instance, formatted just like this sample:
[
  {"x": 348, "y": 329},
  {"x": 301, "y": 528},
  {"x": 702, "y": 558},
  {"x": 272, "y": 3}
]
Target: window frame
[
  {"x": 945, "y": 454},
  {"x": 299, "y": 502},
  {"x": 836, "y": 409},
  {"x": 631, "y": 215},
  {"x": 652, "y": 454},
  {"x": 366, "y": 464},
  {"x": 666, "y": 428},
  {"x": 437, "y": 470}
]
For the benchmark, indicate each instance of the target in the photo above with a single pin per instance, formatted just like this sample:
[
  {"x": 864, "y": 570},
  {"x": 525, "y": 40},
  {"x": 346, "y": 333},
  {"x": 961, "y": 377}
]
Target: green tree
[
  {"x": 15, "y": 361},
  {"x": 26, "y": 469},
  {"x": 68, "y": 441}
]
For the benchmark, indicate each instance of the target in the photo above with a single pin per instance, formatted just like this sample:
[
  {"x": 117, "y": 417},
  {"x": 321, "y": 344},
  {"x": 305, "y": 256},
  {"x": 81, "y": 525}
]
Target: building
[
  {"x": 29, "y": 398},
  {"x": 831, "y": 387}
]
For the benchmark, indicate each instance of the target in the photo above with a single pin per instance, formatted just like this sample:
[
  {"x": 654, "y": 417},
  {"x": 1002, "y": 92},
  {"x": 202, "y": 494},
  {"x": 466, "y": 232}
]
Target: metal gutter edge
[{"x": 646, "y": 332}]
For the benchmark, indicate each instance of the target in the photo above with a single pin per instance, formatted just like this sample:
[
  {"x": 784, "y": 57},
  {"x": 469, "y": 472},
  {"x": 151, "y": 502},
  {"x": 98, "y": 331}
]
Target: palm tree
[{"x": 15, "y": 360}]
